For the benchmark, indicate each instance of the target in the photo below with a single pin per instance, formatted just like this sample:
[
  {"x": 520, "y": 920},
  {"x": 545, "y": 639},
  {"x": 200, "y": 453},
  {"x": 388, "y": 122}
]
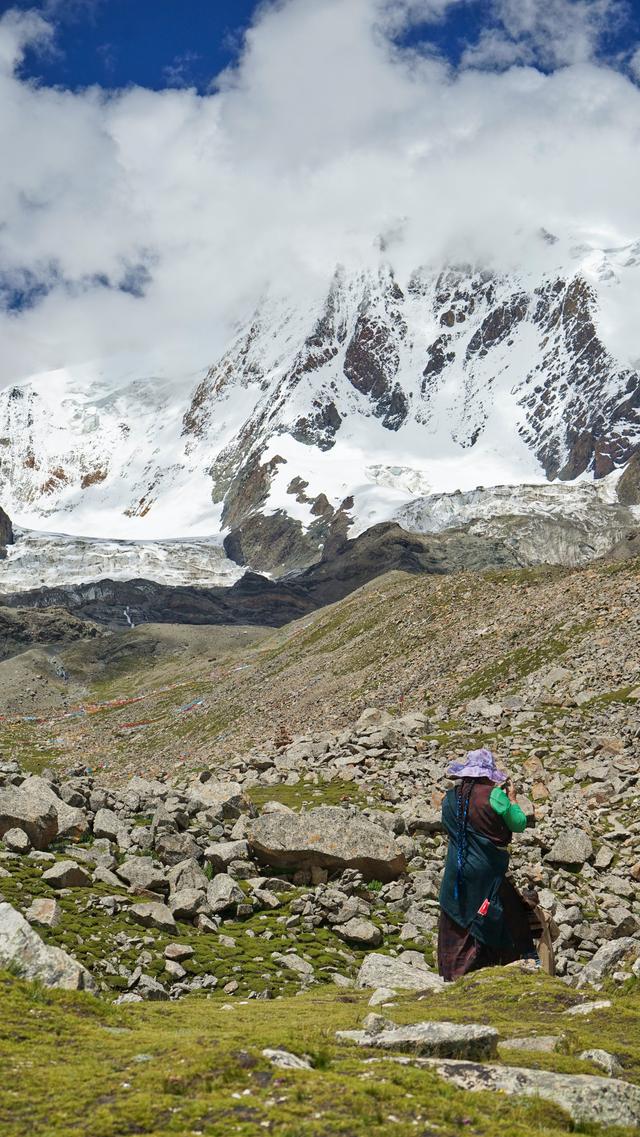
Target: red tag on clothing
[{"x": 484, "y": 908}]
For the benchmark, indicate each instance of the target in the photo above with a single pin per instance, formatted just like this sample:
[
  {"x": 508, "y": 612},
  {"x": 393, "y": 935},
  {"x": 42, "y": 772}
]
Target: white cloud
[
  {"x": 18, "y": 31},
  {"x": 325, "y": 135}
]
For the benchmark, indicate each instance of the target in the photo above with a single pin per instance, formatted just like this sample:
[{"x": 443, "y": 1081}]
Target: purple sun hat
[{"x": 477, "y": 764}]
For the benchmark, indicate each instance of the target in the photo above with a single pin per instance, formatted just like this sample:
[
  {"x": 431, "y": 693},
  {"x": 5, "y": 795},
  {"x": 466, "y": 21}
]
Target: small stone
[
  {"x": 294, "y": 963},
  {"x": 178, "y": 952},
  {"x": 341, "y": 980},
  {"x": 358, "y": 931},
  {"x": 44, "y": 911},
  {"x": 374, "y": 1024},
  {"x": 588, "y": 1008},
  {"x": 104, "y": 875},
  {"x": 223, "y": 893},
  {"x": 16, "y": 841},
  {"x": 604, "y": 857},
  {"x": 382, "y": 995},
  {"x": 107, "y": 824},
  {"x": 605, "y": 1061},
  {"x": 284, "y": 1060},
  {"x": 151, "y": 989},
  {"x": 174, "y": 969},
  {"x": 540, "y": 1043}
]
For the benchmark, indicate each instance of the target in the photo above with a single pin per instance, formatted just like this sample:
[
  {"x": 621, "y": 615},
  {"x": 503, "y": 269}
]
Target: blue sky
[
  {"x": 153, "y": 43},
  {"x": 173, "y": 43}
]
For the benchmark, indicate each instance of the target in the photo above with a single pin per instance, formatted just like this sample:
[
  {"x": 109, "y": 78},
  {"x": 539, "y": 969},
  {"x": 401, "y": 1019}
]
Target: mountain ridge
[{"x": 331, "y": 416}]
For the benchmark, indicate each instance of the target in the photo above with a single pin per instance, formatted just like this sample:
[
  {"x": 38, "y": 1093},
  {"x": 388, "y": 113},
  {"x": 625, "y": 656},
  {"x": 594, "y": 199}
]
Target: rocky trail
[{"x": 292, "y": 860}]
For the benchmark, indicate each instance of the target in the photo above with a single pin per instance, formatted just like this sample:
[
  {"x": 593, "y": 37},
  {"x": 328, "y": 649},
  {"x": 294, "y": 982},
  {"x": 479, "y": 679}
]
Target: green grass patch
[{"x": 73, "y": 1065}]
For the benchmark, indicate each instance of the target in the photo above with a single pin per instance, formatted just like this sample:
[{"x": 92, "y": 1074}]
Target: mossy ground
[
  {"x": 74, "y": 1066},
  {"x": 306, "y": 795},
  {"x": 87, "y": 933}
]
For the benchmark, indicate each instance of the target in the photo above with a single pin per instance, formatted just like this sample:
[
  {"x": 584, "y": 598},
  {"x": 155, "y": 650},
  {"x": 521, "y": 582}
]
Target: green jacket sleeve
[{"x": 513, "y": 817}]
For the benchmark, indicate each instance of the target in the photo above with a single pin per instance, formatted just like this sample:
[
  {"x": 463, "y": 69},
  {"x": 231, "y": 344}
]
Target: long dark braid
[{"x": 463, "y": 799}]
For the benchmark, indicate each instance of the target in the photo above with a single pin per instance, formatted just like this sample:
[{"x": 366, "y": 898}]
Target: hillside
[
  {"x": 170, "y": 859},
  {"x": 422, "y": 642}
]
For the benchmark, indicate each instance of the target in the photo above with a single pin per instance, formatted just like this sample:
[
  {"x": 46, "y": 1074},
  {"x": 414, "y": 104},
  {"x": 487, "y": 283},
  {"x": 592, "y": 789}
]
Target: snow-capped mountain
[{"x": 325, "y": 417}]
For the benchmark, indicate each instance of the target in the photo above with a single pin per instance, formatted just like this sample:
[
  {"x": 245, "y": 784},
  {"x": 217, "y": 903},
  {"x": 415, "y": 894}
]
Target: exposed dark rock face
[
  {"x": 320, "y": 427},
  {"x": 372, "y": 358},
  {"x": 599, "y": 430},
  {"x": 23, "y": 628},
  {"x": 629, "y": 484},
  {"x": 498, "y": 325},
  {"x": 438, "y": 355},
  {"x": 276, "y": 543},
  {"x": 254, "y": 599},
  {"x": 348, "y": 564},
  {"x": 279, "y": 544},
  {"x": 250, "y": 489},
  {"x": 6, "y": 533}
]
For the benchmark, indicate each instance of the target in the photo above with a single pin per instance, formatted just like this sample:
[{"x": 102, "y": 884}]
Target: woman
[{"x": 483, "y": 919}]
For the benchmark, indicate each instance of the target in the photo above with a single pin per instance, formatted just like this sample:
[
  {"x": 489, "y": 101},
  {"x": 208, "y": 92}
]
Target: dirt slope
[{"x": 202, "y": 695}]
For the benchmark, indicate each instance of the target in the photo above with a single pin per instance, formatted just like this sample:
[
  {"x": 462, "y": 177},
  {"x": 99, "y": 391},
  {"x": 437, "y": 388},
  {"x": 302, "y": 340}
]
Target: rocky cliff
[{"x": 6, "y": 532}]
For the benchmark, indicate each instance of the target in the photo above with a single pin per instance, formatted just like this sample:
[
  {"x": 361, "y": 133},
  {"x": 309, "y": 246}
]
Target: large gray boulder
[
  {"x": 223, "y": 853},
  {"x": 142, "y": 875},
  {"x": 24, "y": 952},
  {"x": 224, "y": 799},
  {"x": 153, "y": 915},
  {"x": 72, "y": 822},
  {"x": 420, "y": 817},
  {"x": 187, "y": 903},
  {"x": 107, "y": 824},
  {"x": 173, "y": 848},
  {"x": 357, "y": 931},
  {"x": 187, "y": 874},
  {"x": 45, "y": 911},
  {"x": 328, "y": 837},
  {"x": 66, "y": 874},
  {"x": 573, "y": 847},
  {"x": 585, "y": 1097},
  {"x": 436, "y": 1039},
  {"x": 388, "y": 971},
  {"x": 223, "y": 893},
  {"x": 16, "y": 841},
  {"x": 22, "y": 809}
]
